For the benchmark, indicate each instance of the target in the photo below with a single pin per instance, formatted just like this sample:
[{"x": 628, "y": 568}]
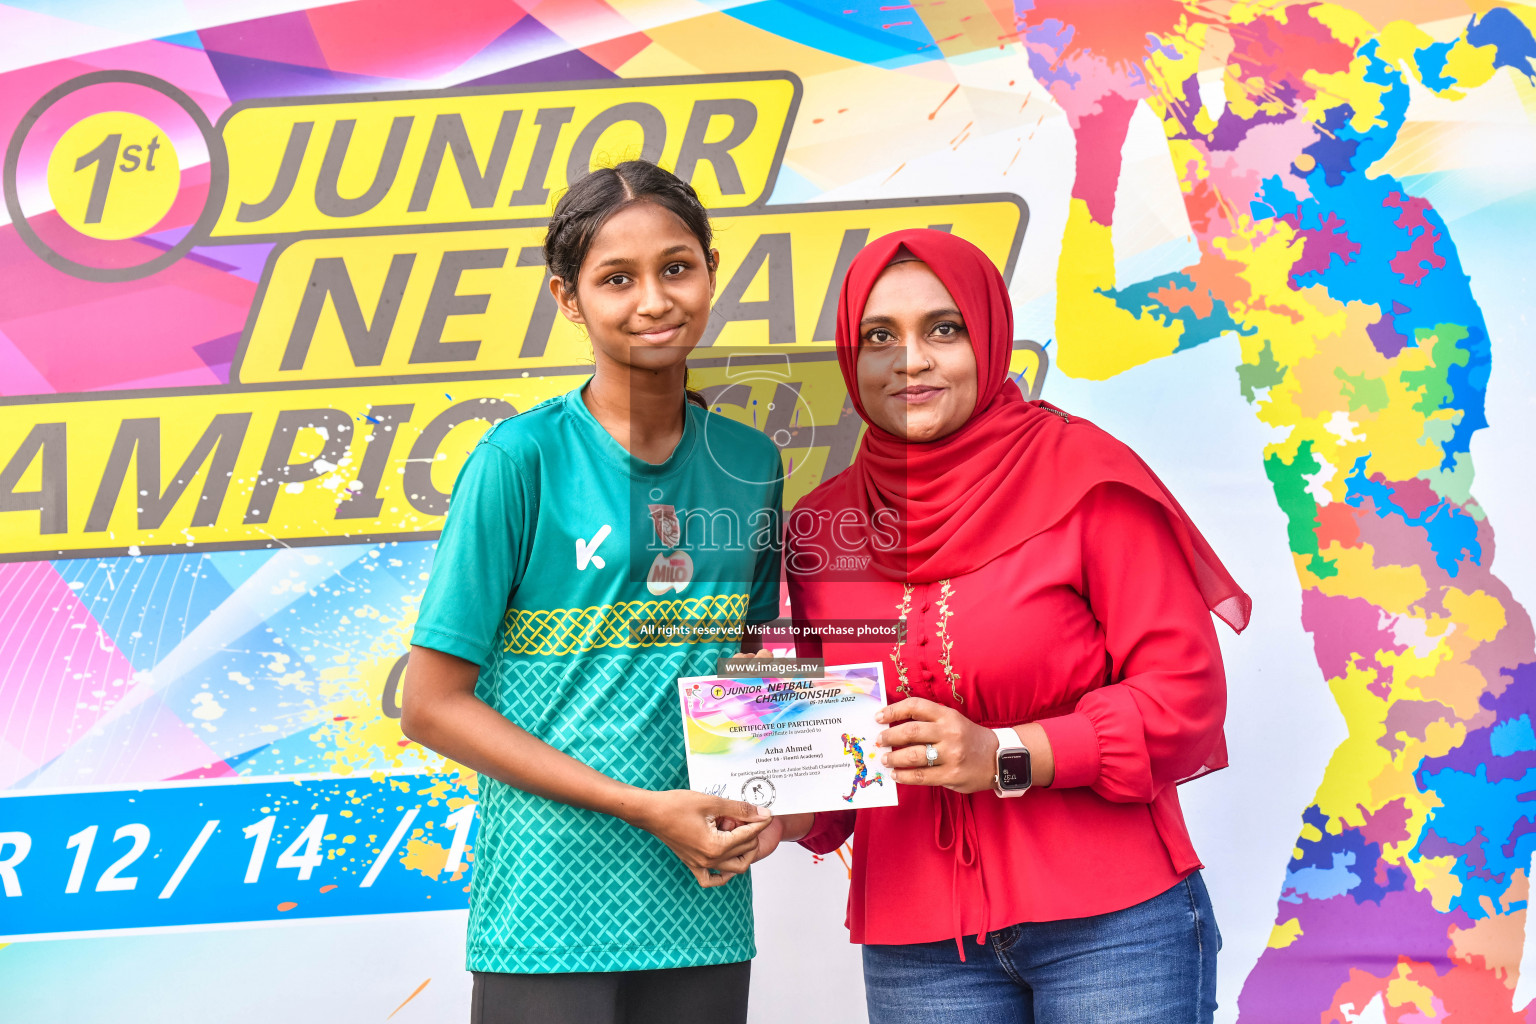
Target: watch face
[{"x": 1013, "y": 770}]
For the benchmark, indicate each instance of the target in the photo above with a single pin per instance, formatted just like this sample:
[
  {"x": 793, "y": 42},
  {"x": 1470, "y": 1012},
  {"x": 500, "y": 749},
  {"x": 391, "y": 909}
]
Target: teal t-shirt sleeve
[
  {"x": 480, "y": 558},
  {"x": 764, "y": 604}
]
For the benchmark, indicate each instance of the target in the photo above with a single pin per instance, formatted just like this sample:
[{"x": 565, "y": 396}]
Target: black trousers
[{"x": 680, "y": 995}]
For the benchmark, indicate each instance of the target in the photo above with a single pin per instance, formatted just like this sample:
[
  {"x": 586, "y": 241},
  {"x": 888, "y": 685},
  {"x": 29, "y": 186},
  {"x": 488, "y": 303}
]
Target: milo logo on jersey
[{"x": 671, "y": 569}]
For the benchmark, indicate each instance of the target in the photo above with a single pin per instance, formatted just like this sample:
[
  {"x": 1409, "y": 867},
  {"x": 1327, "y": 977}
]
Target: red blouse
[{"x": 1094, "y": 628}]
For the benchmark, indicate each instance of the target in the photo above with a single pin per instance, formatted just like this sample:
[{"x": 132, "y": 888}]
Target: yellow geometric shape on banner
[{"x": 113, "y": 175}]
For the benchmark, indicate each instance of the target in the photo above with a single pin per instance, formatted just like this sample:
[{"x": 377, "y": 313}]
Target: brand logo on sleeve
[{"x": 586, "y": 550}]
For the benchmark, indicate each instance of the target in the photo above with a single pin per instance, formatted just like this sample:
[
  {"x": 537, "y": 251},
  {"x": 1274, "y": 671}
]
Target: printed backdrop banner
[{"x": 268, "y": 271}]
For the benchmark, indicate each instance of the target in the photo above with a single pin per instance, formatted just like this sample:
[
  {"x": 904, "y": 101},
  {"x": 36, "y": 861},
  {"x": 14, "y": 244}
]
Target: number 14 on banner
[
  {"x": 303, "y": 854},
  {"x": 307, "y": 859}
]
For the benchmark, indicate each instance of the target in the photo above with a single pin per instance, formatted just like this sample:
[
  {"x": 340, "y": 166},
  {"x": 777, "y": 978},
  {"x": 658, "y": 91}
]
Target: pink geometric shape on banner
[
  {"x": 190, "y": 201},
  {"x": 59, "y": 671},
  {"x": 161, "y": 746},
  {"x": 218, "y": 353},
  {"x": 407, "y": 38},
  {"x": 185, "y": 67},
  {"x": 49, "y": 289},
  {"x": 582, "y": 22},
  {"x": 199, "y": 376},
  {"x": 189, "y": 204},
  {"x": 17, "y": 374},
  {"x": 108, "y": 343},
  {"x": 21, "y": 88},
  {"x": 243, "y": 261},
  {"x": 284, "y": 38},
  {"x": 83, "y": 336},
  {"x": 13, "y": 763},
  {"x": 217, "y": 770},
  {"x": 530, "y": 52}
]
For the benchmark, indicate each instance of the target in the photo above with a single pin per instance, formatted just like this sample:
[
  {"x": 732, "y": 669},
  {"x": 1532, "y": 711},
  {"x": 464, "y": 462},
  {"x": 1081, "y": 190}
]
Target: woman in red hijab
[{"x": 1058, "y": 676}]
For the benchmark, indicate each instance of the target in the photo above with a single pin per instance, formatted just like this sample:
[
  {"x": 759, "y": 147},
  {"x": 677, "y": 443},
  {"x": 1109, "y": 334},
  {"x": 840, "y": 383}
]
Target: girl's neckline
[{"x": 621, "y": 456}]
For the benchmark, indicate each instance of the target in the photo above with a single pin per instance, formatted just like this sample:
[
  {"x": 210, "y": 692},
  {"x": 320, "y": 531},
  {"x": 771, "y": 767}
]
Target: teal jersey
[{"x": 558, "y": 548}]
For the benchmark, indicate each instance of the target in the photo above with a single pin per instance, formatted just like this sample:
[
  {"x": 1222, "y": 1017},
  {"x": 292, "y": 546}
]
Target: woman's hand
[
  {"x": 689, "y": 823},
  {"x": 967, "y": 752},
  {"x": 769, "y": 839},
  {"x": 784, "y": 828}
]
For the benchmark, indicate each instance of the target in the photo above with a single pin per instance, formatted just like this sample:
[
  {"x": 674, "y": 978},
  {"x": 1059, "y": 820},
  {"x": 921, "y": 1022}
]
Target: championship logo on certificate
[{"x": 788, "y": 744}]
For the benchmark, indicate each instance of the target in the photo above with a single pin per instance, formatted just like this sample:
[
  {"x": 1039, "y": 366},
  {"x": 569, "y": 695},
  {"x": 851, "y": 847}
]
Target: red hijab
[{"x": 1013, "y": 470}]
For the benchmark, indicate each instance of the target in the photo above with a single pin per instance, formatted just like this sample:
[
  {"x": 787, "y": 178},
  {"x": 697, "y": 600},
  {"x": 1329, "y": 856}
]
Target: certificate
[{"x": 785, "y": 743}]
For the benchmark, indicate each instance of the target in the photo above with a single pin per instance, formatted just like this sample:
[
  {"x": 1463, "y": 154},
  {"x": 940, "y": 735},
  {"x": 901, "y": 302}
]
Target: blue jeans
[{"x": 1153, "y": 963}]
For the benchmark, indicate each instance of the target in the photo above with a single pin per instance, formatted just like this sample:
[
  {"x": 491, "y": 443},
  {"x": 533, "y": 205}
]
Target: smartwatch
[{"x": 1014, "y": 775}]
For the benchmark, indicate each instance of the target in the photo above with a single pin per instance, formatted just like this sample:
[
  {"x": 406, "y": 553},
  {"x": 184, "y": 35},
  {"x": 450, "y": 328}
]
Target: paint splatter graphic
[{"x": 1364, "y": 348}]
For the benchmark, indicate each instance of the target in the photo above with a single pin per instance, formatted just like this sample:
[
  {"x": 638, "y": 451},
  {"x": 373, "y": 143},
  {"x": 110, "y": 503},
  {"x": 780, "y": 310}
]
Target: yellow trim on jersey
[{"x": 559, "y": 631}]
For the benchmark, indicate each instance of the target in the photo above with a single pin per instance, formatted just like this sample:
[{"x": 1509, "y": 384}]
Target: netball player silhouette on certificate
[{"x": 851, "y": 745}]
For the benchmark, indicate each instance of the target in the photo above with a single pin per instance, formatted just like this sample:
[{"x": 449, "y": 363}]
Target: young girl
[{"x": 602, "y": 889}]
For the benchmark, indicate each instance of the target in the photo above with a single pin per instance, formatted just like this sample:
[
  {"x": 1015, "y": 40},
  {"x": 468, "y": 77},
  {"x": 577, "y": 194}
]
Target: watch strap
[{"x": 1007, "y": 739}]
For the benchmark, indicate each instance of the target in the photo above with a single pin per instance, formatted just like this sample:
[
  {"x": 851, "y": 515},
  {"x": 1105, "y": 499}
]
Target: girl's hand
[
  {"x": 967, "y": 752},
  {"x": 689, "y": 823}
]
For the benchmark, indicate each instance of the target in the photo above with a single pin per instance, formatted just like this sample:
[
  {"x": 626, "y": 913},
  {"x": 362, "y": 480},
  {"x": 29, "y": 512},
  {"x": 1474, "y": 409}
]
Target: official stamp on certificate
[{"x": 788, "y": 744}]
